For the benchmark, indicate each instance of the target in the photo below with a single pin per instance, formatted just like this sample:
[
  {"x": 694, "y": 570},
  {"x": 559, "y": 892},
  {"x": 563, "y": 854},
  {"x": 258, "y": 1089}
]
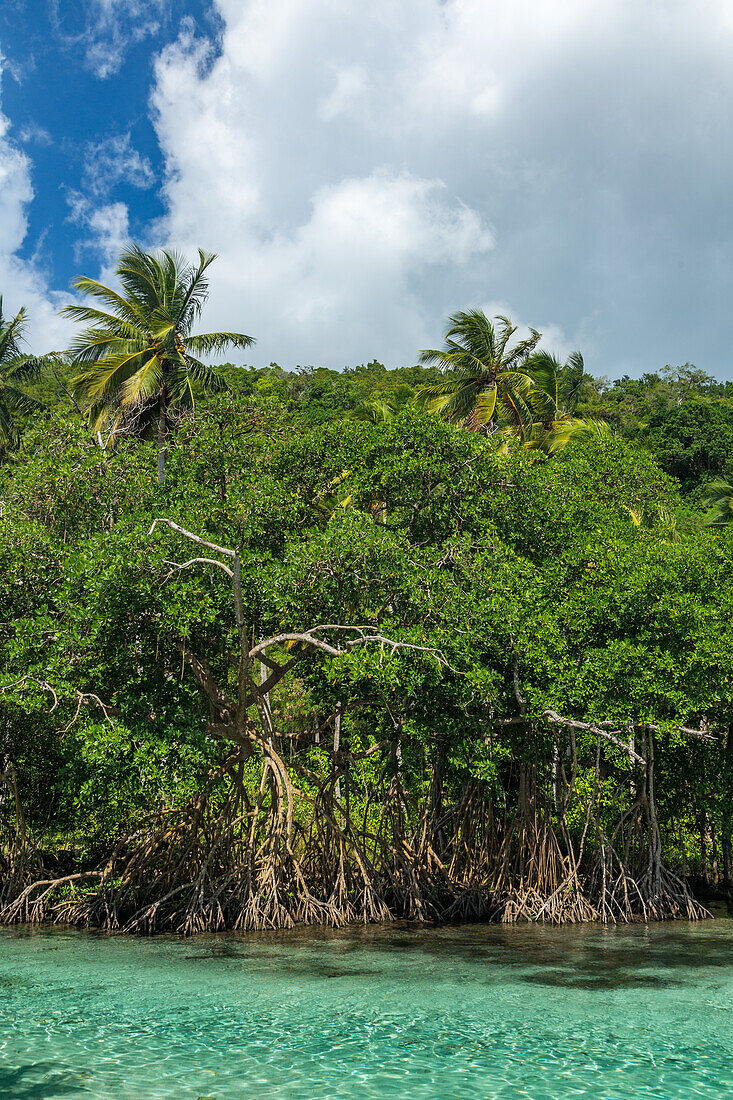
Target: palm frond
[
  {"x": 438, "y": 389},
  {"x": 515, "y": 404},
  {"x": 506, "y": 331},
  {"x": 197, "y": 291},
  {"x": 124, "y": 309},
  {"x": 25, "y": 368},
  {"x": 457, "y": 406},
  {"x": 95, "y": 345},
  {"x": 208, "y": 377},
  {"x": 572, "y": 381},
  {"x": 718, "y": 495},
  {"x": 109, "y": 374},
  {"x": 21, "y": 403},
  {"x": 9, "y": 431},
  {"x": 142, "y": 276},
  {"x": 208, "y": 342},
  {"x": 484, "y": 405},
  {"x": 11, "y": 334},
  {"x": 570, "y": 429},
  {"x": 522, "y": 351},
  {"x": 430, "y": 356},
  {"x": 143, "y": 384},
  {"x": 475, "y": 334},
  {"x": 379, "y": 410}
]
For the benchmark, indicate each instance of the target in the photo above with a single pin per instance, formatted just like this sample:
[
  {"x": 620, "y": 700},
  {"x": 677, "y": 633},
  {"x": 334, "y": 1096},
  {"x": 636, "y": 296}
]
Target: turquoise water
[{"x": 446, "y": 1014}]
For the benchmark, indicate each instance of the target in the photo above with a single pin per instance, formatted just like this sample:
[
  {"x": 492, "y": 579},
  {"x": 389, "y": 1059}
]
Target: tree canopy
[
  {"x": 352, "y": 661},
  {"x": 137, "y": 358}
]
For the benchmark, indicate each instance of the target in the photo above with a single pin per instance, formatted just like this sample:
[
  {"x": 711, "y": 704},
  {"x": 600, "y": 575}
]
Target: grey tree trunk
[{"x": 336, "y": 747}]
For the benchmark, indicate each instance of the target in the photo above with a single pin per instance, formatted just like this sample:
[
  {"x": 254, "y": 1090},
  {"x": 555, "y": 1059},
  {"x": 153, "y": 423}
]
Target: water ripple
[{"x": 450, "y": 1014}]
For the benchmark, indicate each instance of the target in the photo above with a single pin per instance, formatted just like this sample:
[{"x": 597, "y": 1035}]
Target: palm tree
[
  {"x": 137, "y": 359},
  {"x": 554, "y": 397},
  {"x": 16, "y": 369},
  {"x": 377, "y": 410},
  {"x": 482, "y": 373},
  {"x": 557, "y": 388},
  {"x": 719, "y": 496}
]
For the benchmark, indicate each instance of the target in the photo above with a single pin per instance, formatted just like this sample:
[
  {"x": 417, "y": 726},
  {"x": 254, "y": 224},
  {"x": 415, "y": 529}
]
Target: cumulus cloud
[
  {"x": 344, "y": 285},
  {"x": 23, "y": 282},
  {"x": 323, "y": 264},
  {"x": 348, "y": 162},
  {"x": 349, "y": 87}
]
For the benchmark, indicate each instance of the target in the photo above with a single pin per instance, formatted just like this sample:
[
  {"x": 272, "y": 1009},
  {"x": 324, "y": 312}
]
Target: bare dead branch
[
  {"x": 194, "y": 538},
  {"x": 42, "y": 684},
  {"x": 614, "y": 738},
  {"x": 702, "y": 735},
  {"x": 364, "y": 636},
  {"x": 196, "y": 561},
  {"x": 84, "y": 699}
]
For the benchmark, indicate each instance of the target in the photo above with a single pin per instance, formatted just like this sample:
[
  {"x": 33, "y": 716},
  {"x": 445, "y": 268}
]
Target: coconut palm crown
[
  {"x": 16, "y": 369},
  {"x": 555, "y": 394},
  {"x": 483, "y": 373},
  {"x": 138, "y": 359},
  {"x": 718, "y": 495}
]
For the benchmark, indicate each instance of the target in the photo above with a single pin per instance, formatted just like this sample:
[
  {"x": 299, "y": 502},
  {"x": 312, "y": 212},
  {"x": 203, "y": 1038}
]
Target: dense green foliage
[
  {"x": 541, "y": 672},
  {"x": 693, "y": 440},
  {"x": 16, "y": 369},
  {"x": 529, "y": 575}
]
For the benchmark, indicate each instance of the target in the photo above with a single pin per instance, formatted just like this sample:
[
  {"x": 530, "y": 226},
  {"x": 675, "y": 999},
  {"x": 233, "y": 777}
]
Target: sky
[{"x": 364, "y": 170}]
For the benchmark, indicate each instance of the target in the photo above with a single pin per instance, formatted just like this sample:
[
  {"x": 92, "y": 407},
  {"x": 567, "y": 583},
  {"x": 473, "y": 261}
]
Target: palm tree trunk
[
  {"x": 472, "y": 423},
  {"x": 162, "y": 433}
]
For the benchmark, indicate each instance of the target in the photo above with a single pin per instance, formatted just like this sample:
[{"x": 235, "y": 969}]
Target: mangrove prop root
[{"x": 228, "y": 860}]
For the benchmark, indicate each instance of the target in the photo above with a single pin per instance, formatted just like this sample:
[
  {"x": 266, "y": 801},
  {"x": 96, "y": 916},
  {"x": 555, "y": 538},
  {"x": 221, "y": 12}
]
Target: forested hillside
[{"x": 346, "y": 659}]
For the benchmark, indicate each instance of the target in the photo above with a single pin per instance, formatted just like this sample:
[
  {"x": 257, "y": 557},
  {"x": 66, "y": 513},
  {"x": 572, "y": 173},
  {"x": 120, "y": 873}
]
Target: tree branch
[
  {"x": 83, "y": 698},
  {"x": 364, "y": 637},
  {"x": 197, "y": 561},
  {"x": 194, "y": 538},
  {"x": 614, "y": 738}
]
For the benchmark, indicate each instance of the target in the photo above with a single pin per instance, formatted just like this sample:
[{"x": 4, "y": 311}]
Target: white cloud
[
  {"x": 107, "y": 226},
  {"x": 320, "y": 263},
  {"x": 33, "y": 134},
  {"x": 15, "y": 192},
  {"x": 22, "y": 282},
  {"x": 112, "y": 26},
  {"x": 113, "y": 161},
  {"x": 346, "y": 160},
  {"x": 349, "y": 86},
  {"x": 342, "y": 286}
]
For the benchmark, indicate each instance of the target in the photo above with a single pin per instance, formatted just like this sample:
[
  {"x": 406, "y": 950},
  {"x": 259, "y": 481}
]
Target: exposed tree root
[
  {"x": 286, "y": 859},
  {"x": 305, "y": 849}
]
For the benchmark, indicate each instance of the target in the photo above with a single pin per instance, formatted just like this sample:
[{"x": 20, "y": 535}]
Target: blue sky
[
  {"x": 364, "y": 170},
  {"x": 75, "y": 87}
]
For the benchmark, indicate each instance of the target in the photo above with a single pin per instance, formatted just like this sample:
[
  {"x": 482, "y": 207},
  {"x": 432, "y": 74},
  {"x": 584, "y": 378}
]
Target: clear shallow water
[{"x": 448, "y": 1014}]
